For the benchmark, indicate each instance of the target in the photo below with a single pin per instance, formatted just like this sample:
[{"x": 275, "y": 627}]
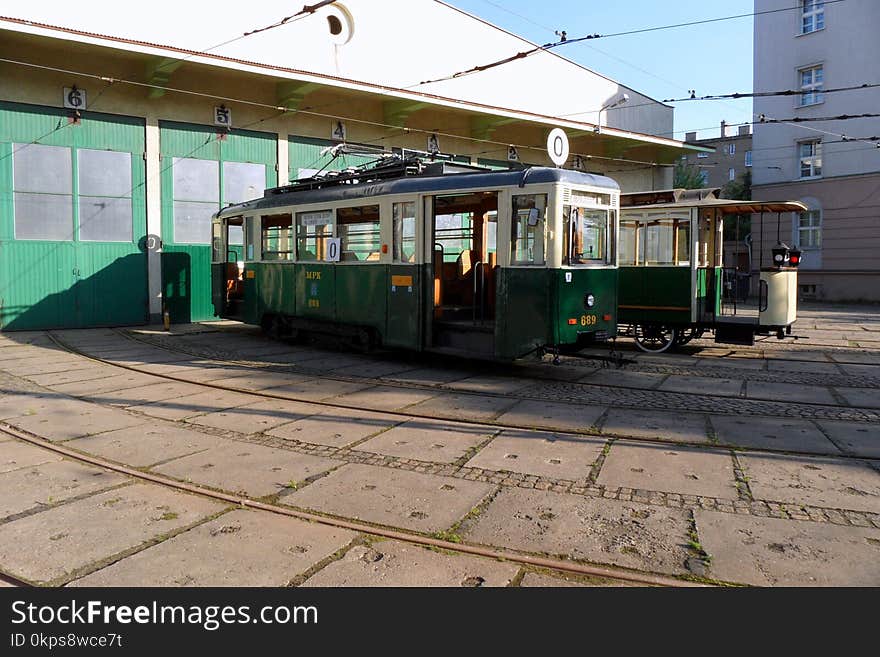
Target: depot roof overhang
[{"x": 491, "y": 124}]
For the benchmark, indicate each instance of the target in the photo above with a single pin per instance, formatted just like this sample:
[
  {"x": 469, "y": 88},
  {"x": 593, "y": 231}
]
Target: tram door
[
  {"x": 464, "y": 231},
  {"x": 708, "y": 269},
  {"x": 227, "y": 267}
]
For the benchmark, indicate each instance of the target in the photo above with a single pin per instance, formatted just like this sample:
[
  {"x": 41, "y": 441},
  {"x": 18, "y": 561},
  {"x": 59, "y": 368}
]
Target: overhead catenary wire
[{"x": 566, "y": 41}]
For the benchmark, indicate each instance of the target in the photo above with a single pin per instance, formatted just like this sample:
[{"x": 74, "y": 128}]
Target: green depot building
[{"x": 115, "y": 154}]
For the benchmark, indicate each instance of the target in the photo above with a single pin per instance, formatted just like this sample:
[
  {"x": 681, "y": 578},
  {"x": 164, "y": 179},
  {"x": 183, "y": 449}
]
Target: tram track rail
[
  {"x": 411, "y": 414},
  {"x": 610, "y": 573}
]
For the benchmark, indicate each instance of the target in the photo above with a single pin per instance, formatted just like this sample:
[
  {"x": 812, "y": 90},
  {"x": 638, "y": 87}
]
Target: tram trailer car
[
  {"x": 433, "y": 257},
  {"x": 671, "y": 274}
]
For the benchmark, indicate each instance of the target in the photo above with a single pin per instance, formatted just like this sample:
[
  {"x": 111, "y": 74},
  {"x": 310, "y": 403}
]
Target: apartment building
[
  {"x": 804, "y": 150},
  {"x": 730, "y": 161}
]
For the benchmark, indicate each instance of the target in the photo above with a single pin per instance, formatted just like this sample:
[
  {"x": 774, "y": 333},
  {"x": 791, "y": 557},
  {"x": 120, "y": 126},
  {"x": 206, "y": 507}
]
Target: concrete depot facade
[{"x": 137, "y": 171}]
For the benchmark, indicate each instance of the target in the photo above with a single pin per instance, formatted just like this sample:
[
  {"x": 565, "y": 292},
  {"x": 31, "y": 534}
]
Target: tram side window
[
  {"x": 404, "y": 229},
  {"x": 586, "y": 235},
  {"x": 278, "y": 237},
  {"x": 666, "y": 242},
  {"x": 527, "y": 238},
  {"x": 359, "y": 230},
  {"x": 252, "y": 239},
  {"x": 313, "y": 229},
  {"x": 629, "y": 242}
]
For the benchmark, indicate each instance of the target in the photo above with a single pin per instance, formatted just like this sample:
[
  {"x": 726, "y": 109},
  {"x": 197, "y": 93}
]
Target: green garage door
[
  {"x": 203, "y": 171},
  {"x": 72, "y": 219},
  {"x": 307, "y": 156}
]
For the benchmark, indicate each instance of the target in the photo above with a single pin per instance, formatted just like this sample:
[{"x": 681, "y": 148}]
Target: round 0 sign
[{"x": 557, "y": 146}]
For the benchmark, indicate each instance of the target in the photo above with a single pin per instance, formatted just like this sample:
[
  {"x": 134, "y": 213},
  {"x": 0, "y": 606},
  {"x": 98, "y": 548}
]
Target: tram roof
[
  {"x": 679, "y": 199},
  {"x": 450, "y": 182},
  {"x": 725, "y": 206}
]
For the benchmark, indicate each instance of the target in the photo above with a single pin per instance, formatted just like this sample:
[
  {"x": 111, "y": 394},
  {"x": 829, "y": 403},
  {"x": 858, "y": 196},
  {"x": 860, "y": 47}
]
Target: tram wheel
[
  {"x": 685, "y": 335},
  {"x": 655, "y": 338}
]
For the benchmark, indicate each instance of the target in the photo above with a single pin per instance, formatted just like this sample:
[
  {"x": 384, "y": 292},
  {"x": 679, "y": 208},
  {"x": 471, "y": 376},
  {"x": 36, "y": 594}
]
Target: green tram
[
  {"x": 438, "y": 257},
  {"x": 671, "y": 275}
]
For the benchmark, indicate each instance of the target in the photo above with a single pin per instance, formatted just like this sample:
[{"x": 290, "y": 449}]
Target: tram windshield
[{"x": 586, "y": 235}]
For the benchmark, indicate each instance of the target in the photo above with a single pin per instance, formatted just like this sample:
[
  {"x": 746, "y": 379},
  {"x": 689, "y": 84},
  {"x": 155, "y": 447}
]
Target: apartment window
[
  {"x": 702, "y": 155},
  {"x": 811, "y": 81},
  {"x": 810, "y": 158},
  {"x": 704, "y": 177},
  {"x": 748, "y": 158},
  {"x": 808, "y": 229},
  {"x": 731, "y": 174},
  {"x": 731, "y": 149},
  {"x": 812, "y": 16}
]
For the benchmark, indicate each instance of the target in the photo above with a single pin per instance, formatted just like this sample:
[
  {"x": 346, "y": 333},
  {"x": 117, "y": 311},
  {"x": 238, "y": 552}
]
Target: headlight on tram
[{"x": 589, "y": 301}]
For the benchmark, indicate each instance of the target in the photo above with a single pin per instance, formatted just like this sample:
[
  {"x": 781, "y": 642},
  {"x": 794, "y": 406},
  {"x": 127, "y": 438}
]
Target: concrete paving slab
[
  {"x": 429, "y": 376},
  {"x": 497, "y": 385},
  {"x": 777, "y": 552},
  {"x": 428, "y": 440},
  {"x": 384, "y": 398},
  {"x": 50, "y": 366},
  {"x": 209, "y": 401},
  {"x": 702, "y": 385},
  {"x": 860, "y": 397},
  {"x": 66, "y": 419},
  {"x": 392, "y": 563},
  {"x": 624, "y": 379},
  {"x": 147, "y": 444},
  {"x": 252, "y": 470},
  {"x": 464, "y": 406},
  {"x": 818, "y": 481},
  {"x": 335, "y": 427},
  {"x": 665, "y": 425},
  {"x": 783, "y": 365},
  {"x": 172, "y": 369},
  {"x": 855, "y": 357},
  {"x": 549, "y": 415},
  {"x": 261, "y": 380},
  {"x": 73, "y": 375},
  {"x": 16, "y": 403},
  {"x": 871, "y": 371},
  {"x": 538, "y": 580},
  {"x": 319, "y": 389},
  {"x": 15, "y": 455},
  {"x": 749, "y": 363},
  {"x": 145, "y": 394},
  {"x": 649, "y": 538},
  {"x": 772, "y": 433},
  {"x": 208, "y": 372},
  {"x": 684, "y": 470},
  {"x": 540, "y": 453},
  {"x": 40, "y": 486},
  {"x": 82, "y": 534},
  {"x": 397, "y": 498},
  {"x": 254, "y": 418},
  {"x": 240, "y": 548},
  {"x": 105, "y": 384},
  {"x": 857, "y": 438},
  {"x": 789, "y": 392},
  {"x": 373, "y": 370}
]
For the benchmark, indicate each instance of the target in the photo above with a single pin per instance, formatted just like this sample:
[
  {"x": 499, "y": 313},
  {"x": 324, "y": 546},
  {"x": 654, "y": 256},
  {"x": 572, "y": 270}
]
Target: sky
[{"x": 710, "y": 59}]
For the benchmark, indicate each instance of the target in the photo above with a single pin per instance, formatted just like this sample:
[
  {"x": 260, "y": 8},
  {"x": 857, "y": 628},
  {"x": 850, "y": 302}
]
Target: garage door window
[
  {"x": 196, "y": 198},
  {"x": 105, "y": 211},
  {"x": 43, "y": 193}
]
